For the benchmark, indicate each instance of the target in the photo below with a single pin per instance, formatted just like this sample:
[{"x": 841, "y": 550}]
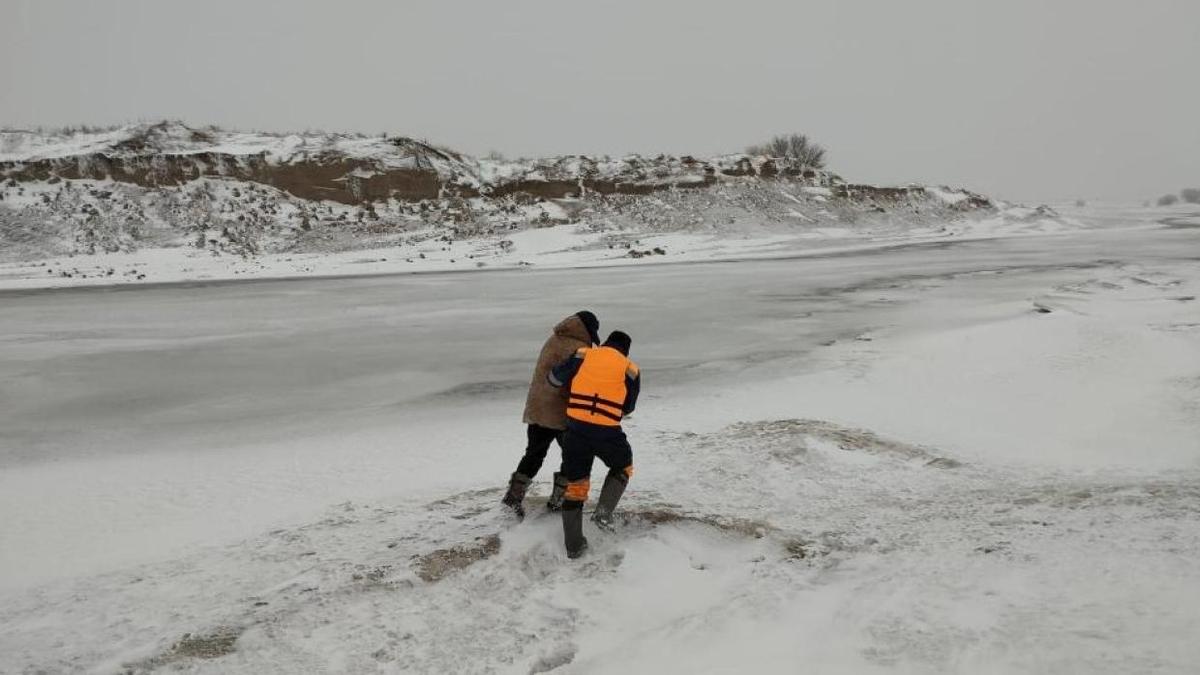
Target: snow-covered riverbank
[{"x": 554, "y": 247}]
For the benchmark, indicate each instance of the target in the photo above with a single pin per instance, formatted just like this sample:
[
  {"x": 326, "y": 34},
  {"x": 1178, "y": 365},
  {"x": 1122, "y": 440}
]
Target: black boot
[
  {"x": 610, "y": 494},
  {"x": 515, "y": 497},
  {"x": 556, "y": 494},
  {"x": 572, "y": 516}
]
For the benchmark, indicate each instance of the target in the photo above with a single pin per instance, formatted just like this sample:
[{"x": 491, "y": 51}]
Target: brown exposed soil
[
  {"x": 211, "y": 646},
  {"x": 339, "y": 179},
  {"x": 663, "y": 515},
  {"x": 441, "y": 563},
  {"x": 218, "y": 643}
]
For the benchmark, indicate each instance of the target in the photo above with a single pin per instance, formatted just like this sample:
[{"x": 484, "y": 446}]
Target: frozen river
[
  {"x": 101, "y": 372},
  {"x": 141, "y": 425}
]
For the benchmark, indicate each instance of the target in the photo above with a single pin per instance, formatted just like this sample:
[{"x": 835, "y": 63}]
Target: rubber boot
[
  {"x": 610, "y": 494},
  {"x": 556, "y": 494},
  {"x": 515, "y": 497},
  {"x": 572, "y": 517}
]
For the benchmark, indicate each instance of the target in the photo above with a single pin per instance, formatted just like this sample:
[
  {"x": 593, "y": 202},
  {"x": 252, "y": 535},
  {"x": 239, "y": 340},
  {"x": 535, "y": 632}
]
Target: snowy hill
[{"x": 215, "y": 202}]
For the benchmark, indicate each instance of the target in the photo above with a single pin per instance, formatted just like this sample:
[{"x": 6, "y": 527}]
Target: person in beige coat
[{"x": 546, "y": 408}]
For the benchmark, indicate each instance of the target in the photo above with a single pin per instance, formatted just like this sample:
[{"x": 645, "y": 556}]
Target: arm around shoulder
[
  {"x": 633, "y": 387},
  {"x": 562, "y": 374}
]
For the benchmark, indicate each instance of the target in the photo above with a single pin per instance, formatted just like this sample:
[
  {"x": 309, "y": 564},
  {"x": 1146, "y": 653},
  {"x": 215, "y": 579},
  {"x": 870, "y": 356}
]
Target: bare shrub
[
  {"x": 1190, "y": 195},
  {"x": 1167, "y": 200},
  {"x": 794, "y": 146}
]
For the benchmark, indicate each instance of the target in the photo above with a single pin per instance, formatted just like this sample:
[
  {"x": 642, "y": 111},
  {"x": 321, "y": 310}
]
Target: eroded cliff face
[
  {"x": 353, "y": 170},
  {"x": 171, "y": 184},
  {"x": 336, "y": 168}
]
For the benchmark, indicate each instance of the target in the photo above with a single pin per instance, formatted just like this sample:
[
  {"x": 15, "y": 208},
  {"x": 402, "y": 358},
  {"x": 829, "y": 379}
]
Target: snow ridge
[{"x": 180, "y": 191}]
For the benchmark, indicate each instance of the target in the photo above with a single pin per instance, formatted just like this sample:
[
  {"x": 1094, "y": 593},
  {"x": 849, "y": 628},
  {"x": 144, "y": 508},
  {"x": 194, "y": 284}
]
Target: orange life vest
[{"x": 598, "y": 389}]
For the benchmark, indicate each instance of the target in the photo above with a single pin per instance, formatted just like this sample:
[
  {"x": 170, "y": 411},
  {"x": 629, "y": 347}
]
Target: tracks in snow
[{"x": 914, "y": 557}]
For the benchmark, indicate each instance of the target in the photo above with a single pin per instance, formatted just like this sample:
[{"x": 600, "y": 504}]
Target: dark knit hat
[
  {"x": 591, "y": 323},
  {"x": 619, "y": 341}
]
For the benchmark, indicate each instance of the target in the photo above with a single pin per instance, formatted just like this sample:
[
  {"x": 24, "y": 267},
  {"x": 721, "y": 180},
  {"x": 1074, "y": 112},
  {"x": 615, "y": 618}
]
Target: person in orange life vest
[
  {"x": 604, "y": 386},
  {"x": 546, "y": 408}
]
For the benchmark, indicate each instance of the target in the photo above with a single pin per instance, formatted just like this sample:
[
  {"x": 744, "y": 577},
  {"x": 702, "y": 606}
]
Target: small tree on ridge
[{"x": 793, "y": 146}]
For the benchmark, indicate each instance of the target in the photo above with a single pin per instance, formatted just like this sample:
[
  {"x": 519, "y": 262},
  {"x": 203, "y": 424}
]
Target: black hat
[
  {"x": 619, "y": 341},
  {"x": 591, "y": 323}
]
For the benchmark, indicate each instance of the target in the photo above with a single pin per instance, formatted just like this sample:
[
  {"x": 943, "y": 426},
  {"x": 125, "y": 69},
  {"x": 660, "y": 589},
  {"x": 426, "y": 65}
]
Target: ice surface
[{"x": 950, "y": 456}]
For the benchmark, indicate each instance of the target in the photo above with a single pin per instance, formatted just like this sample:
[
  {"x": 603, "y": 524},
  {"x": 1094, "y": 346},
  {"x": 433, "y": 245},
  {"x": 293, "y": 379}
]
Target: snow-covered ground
[
  {"x": 939, "y": 455},
  {"x": 558, "y": 246}
]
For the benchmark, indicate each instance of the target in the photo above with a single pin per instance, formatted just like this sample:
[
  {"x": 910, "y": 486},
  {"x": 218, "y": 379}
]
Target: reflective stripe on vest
[{"x": 598, "y": 390}]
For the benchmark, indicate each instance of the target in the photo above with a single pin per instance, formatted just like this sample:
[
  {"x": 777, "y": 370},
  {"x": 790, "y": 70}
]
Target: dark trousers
[
  {"x": 583, "y": 443},
  {"x": 539, "y": 440}
]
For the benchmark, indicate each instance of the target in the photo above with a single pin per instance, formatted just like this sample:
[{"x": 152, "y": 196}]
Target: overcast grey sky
[{"x": 1026, "y": 100}]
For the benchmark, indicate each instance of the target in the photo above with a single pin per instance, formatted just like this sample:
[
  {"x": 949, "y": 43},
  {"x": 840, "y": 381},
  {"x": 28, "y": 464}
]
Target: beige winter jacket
[{"x": 546, "y": 406}]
